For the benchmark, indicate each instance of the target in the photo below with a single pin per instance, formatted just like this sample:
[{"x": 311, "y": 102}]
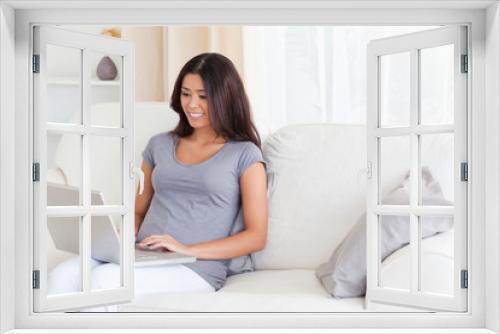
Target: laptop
[{"x": 105, "y": 238}]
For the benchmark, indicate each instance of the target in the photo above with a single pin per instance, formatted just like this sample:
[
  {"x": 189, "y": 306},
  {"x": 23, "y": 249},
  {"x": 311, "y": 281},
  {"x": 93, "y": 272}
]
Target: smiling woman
[{"x": 177, "y": 166}]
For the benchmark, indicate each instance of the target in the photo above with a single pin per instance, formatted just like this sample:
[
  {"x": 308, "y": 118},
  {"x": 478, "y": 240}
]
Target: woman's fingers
[
  {"x": 157, "y": 246},
  {"x": 153, "y": 238},
  {"x": 148, "y": 241},
  {"x": 156, "y": 242}
]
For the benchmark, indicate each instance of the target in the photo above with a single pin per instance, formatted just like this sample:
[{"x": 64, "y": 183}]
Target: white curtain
[{"x": 303, "y": 74}]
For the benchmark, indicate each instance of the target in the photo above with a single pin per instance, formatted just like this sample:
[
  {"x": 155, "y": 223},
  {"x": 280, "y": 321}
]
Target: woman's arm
[
  {"x": 251, "y": 239},
  {"x": 142, "y": 201}
]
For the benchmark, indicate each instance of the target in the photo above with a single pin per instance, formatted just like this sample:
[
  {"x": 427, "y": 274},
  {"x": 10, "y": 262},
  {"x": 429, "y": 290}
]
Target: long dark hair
[{"x": 228, "y": 105}]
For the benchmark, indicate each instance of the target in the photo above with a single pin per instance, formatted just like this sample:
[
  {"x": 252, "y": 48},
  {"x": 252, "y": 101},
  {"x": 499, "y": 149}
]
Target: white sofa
[{"x": 316, "y": 194}]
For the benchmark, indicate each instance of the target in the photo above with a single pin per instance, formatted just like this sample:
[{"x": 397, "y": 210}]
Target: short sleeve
[
  {"x": 250, "y": 155},
  {"x": 147, "y": 154}
]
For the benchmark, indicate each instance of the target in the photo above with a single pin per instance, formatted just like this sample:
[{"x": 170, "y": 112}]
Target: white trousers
[{"x": 65, "y": 278}]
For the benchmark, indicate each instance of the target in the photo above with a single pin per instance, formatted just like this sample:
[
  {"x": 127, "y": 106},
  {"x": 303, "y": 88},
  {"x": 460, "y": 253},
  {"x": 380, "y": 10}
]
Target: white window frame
[
  {"x": 483, "y": 18},
  {"x": 84, "y": 43},
  {"x": 411, "y": 44}
]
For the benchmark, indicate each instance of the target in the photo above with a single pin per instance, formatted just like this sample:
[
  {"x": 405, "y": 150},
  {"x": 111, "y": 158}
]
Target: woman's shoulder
[
  {"x": 245, "y": 150},
  {"x": 247, "y": 153},
  {"x": 244, "y": 144},
  {"x": 244, "y": 147}
]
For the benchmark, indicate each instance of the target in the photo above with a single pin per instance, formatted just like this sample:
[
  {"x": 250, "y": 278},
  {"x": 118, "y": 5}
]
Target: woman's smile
[{"x": 195, "y": 115}]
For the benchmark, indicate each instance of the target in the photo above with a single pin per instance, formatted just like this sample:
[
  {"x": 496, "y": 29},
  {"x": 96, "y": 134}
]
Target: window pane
[
  {"x": 106, "y": 165},
  {"x": 394, "y": 235},
  {"x": 437, "y": 169},
  {"x": 395, "y": 90},
  {"x": 394, "y": 165},
  {"x": 64, "y": 169},
  {"x": 106, "y": 247},
  {"x": 106, "y": 86},
  {"x": 436, "y": 85},
  {"x": 437, "y": 254},
  {"x": 63, "y": 250},
  {"x": 64, "y": 84}
]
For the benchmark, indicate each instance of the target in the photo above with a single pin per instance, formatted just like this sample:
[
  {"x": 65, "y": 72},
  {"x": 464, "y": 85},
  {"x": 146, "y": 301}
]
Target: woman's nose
[{"x": 193, "y": 102}]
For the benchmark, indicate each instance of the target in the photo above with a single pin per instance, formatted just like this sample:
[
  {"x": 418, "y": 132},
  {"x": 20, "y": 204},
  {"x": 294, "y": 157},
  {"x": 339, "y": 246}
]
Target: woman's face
[{"x": 194, "y": 101}]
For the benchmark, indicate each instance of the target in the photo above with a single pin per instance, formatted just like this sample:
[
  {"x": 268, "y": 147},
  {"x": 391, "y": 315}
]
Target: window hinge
[
  {"x": 36, "y": 279},
  {"x": 36, "y": 172},
  {"x": 464, "y": 171},
  {"x": 464, "y": 279},
  {"x": 465, "y": 64},
  {"x": 36, "y": 63}
]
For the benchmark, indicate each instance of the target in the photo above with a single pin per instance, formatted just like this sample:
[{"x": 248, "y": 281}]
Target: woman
[
  {"x": 200, "y": 170},
  {"x": 197, "y": 178}
]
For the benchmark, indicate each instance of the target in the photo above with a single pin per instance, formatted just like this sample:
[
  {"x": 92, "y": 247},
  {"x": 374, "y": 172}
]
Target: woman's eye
[
  {"x": 202, "y": 97},
  {"x": 185, "y": 94}
]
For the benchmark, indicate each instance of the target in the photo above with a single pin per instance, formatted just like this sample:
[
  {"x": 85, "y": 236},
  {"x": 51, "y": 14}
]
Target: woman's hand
[{"x": 163, "y": 242}]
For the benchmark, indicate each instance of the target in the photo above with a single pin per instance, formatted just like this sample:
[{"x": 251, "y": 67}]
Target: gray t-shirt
[{"x": 196, "y": 202}]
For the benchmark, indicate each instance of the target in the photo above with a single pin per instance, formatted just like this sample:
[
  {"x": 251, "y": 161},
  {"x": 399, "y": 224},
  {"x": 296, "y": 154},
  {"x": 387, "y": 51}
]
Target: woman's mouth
[{"x": 196, "y": 115}]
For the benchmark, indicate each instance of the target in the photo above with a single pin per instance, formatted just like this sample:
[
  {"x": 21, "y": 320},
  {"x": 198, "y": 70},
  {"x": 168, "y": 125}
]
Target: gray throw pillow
[{"x": 344, "y": 274}]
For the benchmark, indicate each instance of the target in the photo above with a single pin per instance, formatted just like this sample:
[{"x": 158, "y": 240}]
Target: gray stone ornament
[{"x": 106, "y": 69}]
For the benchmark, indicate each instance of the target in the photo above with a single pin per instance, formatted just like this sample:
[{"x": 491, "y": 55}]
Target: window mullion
[
  {"x": 419, "y": 130},
  {"x": 414, "y": 170},
  {"x": 398, "y": 210},
  {"x": 127, "y": 230},
  {"x": 85, "y": 235}
]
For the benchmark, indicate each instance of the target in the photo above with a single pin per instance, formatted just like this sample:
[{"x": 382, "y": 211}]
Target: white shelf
[{"x": 71, "y": 81}]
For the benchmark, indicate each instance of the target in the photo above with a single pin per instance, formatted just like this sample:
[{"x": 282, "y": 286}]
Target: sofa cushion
[
  {"x": 298, "y": 290},
  {"x": 317, "y": 187},
  {"x": 316, "y": 192},
  {"x": 295, "y": 290}
]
